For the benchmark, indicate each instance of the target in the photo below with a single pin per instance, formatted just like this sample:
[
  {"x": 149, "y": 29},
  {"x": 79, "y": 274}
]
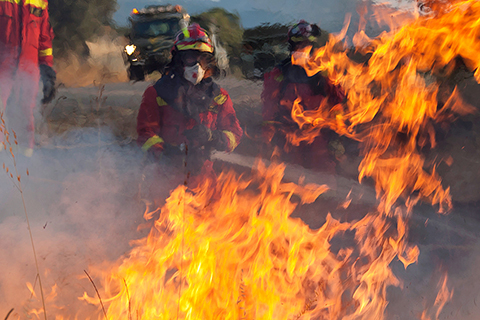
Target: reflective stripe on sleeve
[
  {"x": 231, "y": 138},
  {"x": 11, "y": 1},
  {"x": 37, "y": 3},
  {"x": 220, "y": 99},
  {"x": 161, "y": 102},
  {"x": 46, "y": 52},
  {"x": 151, "y": 142},
  {"x": 41, "y": 4}
]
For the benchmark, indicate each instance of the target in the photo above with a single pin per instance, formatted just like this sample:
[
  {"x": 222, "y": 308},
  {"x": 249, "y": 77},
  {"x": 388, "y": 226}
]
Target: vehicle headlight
[{"x": 130, "y": 49}]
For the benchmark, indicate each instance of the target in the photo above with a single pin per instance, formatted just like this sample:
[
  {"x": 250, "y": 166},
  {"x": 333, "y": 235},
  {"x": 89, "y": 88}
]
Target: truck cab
[{"x": 151, "y": 37}]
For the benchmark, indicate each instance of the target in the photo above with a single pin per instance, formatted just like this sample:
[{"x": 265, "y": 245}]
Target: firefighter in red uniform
[
  {"x": 25, "y": 55},
  {"x": 185, "y": 114},
  {"x": 282, "y": 86}
]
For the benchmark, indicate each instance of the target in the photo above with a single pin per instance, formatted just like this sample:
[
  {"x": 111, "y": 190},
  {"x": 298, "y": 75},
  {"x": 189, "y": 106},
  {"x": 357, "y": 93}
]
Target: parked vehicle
[{"x": 151, "y": 38}]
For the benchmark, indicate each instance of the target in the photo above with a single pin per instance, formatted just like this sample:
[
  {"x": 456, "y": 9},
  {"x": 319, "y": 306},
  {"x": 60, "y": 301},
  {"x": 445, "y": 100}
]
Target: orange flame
[
  {"x": 444, "y": 295},
  {"x": 393, "y": 100},
  {"x": 238, "y": 254}
]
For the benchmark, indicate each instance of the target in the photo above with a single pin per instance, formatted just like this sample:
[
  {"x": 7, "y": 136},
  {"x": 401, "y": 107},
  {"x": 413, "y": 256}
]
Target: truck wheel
[{"x": 136, "y": 73}]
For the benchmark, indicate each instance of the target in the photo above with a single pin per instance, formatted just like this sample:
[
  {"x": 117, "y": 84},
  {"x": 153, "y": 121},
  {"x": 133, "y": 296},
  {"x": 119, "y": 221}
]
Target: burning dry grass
[{"x": 237, "y": 253}]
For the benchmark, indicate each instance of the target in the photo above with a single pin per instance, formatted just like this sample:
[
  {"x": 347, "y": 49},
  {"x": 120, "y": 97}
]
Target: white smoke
[
  {"x": 84, "y": 205},
  {"x": 104, "y": 64}
]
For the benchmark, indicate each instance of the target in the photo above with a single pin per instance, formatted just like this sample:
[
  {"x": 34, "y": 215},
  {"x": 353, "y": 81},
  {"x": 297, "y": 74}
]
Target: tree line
[{"x": 77, "y": 21}]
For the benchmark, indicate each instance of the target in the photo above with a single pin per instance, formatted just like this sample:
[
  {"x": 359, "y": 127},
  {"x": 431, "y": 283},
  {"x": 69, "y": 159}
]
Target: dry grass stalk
[
  {"x": 8, "y": 314},
  {"x": 7, "y": 145},
  {"x": 98, "y": 294}
]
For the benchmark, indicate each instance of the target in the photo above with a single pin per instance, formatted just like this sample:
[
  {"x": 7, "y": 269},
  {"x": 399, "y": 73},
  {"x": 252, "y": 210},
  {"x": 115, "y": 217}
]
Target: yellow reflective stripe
[
  {"x": 231, "y": 138},
  {"x": 301, "y": 39},
  {"x": 200, "y": 46},
  {"x": 220, "y": 99},
  {"x": 297, "y": 39},
  {"x": 11, "y": 1},
  {"x": 151, "y": 142},
  {"x": 46, "y": 52},
  {"x": 161, "y": 102},
  {"x": 279, "y": 78},
  {"x": 42, "y": 4},
  {"x": 186, "y": 34}
]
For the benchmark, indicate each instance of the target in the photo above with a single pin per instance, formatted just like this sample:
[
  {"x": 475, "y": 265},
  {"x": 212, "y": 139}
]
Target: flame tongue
[
  {"x": 240, "y": 255},
  {"x": 393, "y": 100}
]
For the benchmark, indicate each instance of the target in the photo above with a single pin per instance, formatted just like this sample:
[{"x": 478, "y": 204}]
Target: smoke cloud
[
  {"x": 104, "y": 64},
  {"x": 84, "y": 206}
]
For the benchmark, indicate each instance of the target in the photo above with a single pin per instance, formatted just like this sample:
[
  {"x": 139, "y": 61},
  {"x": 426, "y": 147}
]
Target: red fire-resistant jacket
[
  {"x": 158, "y": 123},
  {"x": 25, "y": 35}
]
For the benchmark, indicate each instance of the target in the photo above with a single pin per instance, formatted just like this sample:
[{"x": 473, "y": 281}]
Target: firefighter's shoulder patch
[
  {"x": 220, "y": 99},
  {"x": 161, "y": 102}
]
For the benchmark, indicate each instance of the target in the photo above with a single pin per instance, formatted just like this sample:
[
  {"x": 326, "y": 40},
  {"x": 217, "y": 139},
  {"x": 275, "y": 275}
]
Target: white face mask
[{"x": 194, "y": 74}]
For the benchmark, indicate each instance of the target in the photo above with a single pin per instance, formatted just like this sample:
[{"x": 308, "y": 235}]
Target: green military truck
[
  {"x": 151, "y": 38},
  {"x": 265, "y": 46}
]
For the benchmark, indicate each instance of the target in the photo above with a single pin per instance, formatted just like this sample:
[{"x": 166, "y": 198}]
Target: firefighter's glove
[
  {"x": 198, "y": 136},
  {"x": 48, "y": 77},
  {"x": 219, "y": 140}
]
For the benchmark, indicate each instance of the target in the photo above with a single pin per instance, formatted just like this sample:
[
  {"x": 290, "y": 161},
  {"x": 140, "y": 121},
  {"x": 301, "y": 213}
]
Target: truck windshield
[{"x": 149, "y": 29}]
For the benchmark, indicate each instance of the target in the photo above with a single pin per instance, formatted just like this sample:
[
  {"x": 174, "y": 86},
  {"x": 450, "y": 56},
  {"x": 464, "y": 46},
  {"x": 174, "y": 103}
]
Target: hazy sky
[{"x": 328, "y": 13}]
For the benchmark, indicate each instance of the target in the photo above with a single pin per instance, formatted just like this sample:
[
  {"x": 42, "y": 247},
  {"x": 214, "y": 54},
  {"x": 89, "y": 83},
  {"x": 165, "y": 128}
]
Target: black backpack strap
[
  {"x": 185, "y": 98},
  {"x": 167, "y": 88}
]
